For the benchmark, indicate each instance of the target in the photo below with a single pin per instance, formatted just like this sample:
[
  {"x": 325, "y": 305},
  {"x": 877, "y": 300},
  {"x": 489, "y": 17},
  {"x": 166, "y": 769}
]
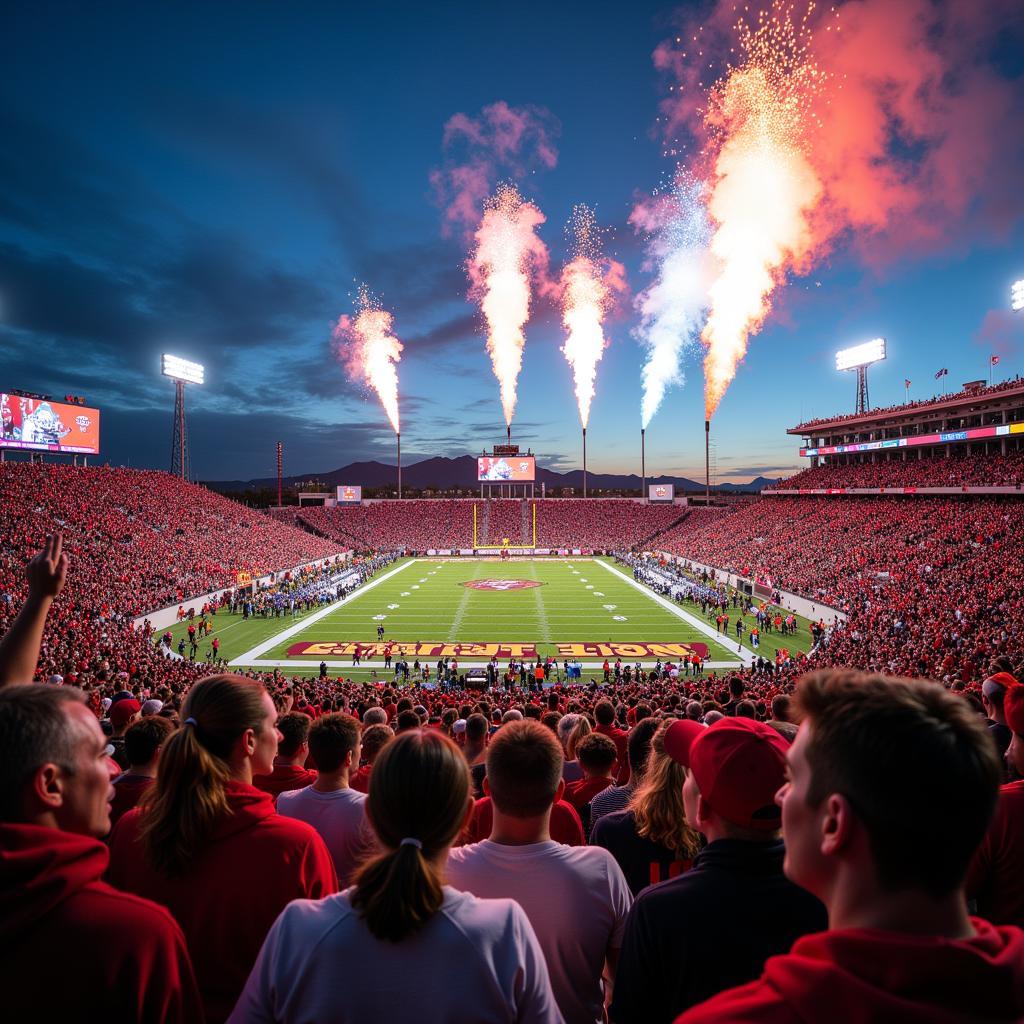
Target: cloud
[
  {"x": 1000, "y": 333},
  {"x": 502, "y": 141}
]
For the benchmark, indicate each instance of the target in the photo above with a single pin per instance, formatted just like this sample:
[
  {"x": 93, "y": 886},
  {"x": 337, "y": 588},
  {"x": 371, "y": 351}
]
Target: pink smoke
[{"x": 502, "y": 141}]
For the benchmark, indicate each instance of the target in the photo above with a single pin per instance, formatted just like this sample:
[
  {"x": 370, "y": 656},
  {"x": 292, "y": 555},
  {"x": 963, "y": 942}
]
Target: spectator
[
  {"x": 571, "y": 729},
  {"x": 638, "y": 749},
  {"x": 142, "y": 745},
  {"x": 123, "y": 714},
  {"x": 604, "y": 715},
  {"x": 289, "y": 770},
  {"x": 892, "y": 784},
  {"x": 715, "y": 926},
  {"x": 399, "y": 926},
  {"x": 993, "y": 692},
  {"x": 651, "y": 840},
  {"x": 597, "y": 756},
  {"x": 373, "y": 741},
  {"x": 335, "y": 810},
  {"x": 127, "y": 960},
  {"x": 995, "y": 881},
  {"x": 576, "y": 898},
  {"x": 475, "y": 751},
  {"x": 210, "y": 847}
]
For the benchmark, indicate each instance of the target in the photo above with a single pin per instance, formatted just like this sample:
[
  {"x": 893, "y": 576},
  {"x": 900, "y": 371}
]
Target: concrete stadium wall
[
  {"x": 161, "y": 618},
  {"x": 793, "y": 602}
]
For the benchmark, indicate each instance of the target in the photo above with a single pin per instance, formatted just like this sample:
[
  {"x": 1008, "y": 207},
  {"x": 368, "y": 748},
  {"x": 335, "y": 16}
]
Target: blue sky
[{"x": 215, "y": 180}]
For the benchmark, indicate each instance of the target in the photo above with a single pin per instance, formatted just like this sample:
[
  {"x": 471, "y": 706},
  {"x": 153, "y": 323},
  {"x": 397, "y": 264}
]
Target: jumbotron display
[
  {"x": 349, "y": 495},
  {"x": 510, "y": 468},
  {"x": 36, "y": 424}
]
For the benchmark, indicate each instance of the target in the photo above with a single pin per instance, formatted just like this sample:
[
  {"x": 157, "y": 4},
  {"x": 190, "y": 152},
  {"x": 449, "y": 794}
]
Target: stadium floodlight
[
  {"x": 859, "y": 358},
  {"x": 182, "y": 369},
  {"x": 1017, "y": 295},
  {"x": 861, "y": 355}
]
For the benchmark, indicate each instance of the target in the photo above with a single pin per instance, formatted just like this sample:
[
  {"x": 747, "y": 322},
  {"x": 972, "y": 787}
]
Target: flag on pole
[
  {"x": 994, "y": 361},
  {"x": 906, "y": 383},
  {"x": 944, "y": 372}
]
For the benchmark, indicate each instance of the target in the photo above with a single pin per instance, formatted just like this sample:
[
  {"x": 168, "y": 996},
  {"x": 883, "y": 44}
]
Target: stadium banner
[
  {"x": 951, "y": 437},
  {"x": 439, "y": 649},
  {"x": 661, "y": 492},
  {"x": 506, "y": 469},
  {"x": 922, "y": 492},
  {"x": 348, "y": 495},
  {"x": 34, "y": 424},
  {"x": 513, "y": 551}
]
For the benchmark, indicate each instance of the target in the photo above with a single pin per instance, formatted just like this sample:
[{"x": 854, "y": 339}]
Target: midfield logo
[{"x": 502, "y": 584}]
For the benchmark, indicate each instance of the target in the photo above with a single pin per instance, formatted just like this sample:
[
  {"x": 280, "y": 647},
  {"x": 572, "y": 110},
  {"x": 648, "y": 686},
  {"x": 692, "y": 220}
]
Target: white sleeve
[{"x": 535, "y": 1002}]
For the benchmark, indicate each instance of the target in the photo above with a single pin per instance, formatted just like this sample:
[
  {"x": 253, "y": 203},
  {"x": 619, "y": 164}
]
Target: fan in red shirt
[
  {"x": 566, "y": 826},
  {"x": 597, "y": 756},
  {"x": 604, "y": 715},
  {"x": 210, "y": 847},
  {"x": 891, "y": 786},
  {"x": 71, "y": 946},
  {"x": 142, "y": 745},
  {"x": 996, "y": 879},
  {"x": 373, "y": 742},
  {"x": 289, "y": 771}
]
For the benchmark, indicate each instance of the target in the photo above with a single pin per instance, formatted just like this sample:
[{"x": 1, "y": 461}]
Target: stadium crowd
[
  {"x": 816, "y": 855},
  {"x": 939, "y": 471}
]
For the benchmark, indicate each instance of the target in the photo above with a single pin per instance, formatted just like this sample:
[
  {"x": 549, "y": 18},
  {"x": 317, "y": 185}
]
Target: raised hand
[{"x": 48, "y": 569}]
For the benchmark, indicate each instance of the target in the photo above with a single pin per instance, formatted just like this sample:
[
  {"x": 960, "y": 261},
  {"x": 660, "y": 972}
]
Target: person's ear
[
  {"x": 247, "y": 742},
  {"x": 837, "y": 825},
  {"x": 704, "y": 812},
  {"x": 486, "y": 786},
  {"x": 48, "y": 786},
  {"x": 560, "y": 792}
]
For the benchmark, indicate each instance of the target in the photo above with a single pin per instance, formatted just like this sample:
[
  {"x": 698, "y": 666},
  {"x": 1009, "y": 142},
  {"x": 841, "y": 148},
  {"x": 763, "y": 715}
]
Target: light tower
[
  {"x": 182, "y": 372},
  {"x": 859, "y": 358}
]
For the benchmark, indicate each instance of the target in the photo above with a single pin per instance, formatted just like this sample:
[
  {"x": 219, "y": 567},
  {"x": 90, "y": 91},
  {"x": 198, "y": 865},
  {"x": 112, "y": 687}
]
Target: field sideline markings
[
  {"x": 743, "y": 655},
  {"x": 279, "y": 638},
  {"x": 460, "y": 609}
]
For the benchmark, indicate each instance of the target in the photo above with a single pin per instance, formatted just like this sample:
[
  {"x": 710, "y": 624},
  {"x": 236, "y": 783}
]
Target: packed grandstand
[{"x": 572, "y": 851}]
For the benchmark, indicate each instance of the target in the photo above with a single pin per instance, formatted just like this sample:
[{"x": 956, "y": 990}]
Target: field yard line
[
  {"x": 542, "y": 614},
  {"x": 278, "y": 638},
  {"x": 744, "y": 655},
  {"x": 460, "y": 611}
]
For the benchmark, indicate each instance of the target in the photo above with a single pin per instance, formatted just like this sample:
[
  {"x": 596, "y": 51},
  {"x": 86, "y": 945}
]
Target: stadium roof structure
[{"x": 975, "y": 414}]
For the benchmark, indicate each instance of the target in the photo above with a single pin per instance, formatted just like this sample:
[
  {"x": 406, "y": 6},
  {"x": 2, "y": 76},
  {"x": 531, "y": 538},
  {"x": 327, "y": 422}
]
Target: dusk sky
[{"x": 216, "y": 181}]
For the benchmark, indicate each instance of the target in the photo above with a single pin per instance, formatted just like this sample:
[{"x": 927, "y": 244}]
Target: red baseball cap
[
  {"x": 738, "y": 765},
  {"x": 123, "y": 710}
]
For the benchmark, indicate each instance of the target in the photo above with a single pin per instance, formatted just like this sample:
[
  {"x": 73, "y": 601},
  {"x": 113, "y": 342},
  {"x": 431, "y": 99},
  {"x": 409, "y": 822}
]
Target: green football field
[{"x": 585, "y": 609}]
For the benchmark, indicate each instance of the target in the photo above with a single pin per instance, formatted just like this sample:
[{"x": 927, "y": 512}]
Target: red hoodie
[
  {"x": 566, "y": 827},
  {"x": 284, "y": 778},
  {"x": 73, "y": 948},
  {"x": 256, "y": 862},
  {"x": 864, "y": 976}
]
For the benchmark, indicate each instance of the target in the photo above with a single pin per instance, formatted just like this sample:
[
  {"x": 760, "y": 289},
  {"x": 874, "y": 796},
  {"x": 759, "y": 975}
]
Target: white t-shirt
[
  {"x": 340, "y": 818},
  {"x": 474, "y": 962},
  {"x": 576, "y": 898}
]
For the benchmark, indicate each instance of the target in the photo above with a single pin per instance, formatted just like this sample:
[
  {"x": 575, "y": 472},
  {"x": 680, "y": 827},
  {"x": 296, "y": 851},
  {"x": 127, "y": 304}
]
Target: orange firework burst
[
  {"x": 587, "y": 287},
  {"x": 764, "y": 187},
  {"x": 508, "y": 251},
  {"x": 370, "y": 352}
]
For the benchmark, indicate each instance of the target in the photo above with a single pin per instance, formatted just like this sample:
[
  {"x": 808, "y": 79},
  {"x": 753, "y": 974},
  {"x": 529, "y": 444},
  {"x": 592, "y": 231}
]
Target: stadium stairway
[
  {"x": 647, "y": 542},
  {"x": 525, "y": 534},
  {"x": 484, "y": 532}
]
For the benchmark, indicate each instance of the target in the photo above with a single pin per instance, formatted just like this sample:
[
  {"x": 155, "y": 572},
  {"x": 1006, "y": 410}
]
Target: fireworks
[
  {"x": 672, "y": 309},
  {"x": 589, "y": 282},
  {"x": 763, "y": 187},
  {"x": 370, "y": 352},
  {"x": 508, "y": 252}
]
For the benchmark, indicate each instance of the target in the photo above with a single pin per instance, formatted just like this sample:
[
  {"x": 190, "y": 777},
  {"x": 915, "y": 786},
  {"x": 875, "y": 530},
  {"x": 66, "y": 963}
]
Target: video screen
[
  {"x": 349, "y": 495},
  {"x": 506, "y": 469},
  {"x": 661, "y": 492},
  {"x": 34, "y": 424}
]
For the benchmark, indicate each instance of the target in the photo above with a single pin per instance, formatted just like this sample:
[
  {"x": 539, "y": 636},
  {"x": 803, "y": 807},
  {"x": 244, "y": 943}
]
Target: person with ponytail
[
  {"x": 400, "y": 945},
  {"x": 209, "y": 846}
]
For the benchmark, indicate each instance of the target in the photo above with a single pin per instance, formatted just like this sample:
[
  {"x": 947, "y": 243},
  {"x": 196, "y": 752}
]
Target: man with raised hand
[
  {"x": 575, "y": 897},
  {"x": 891, "y": 786}
]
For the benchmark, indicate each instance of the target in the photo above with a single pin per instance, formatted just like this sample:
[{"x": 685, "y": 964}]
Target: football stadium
[{"x": 719, "y": 721}]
